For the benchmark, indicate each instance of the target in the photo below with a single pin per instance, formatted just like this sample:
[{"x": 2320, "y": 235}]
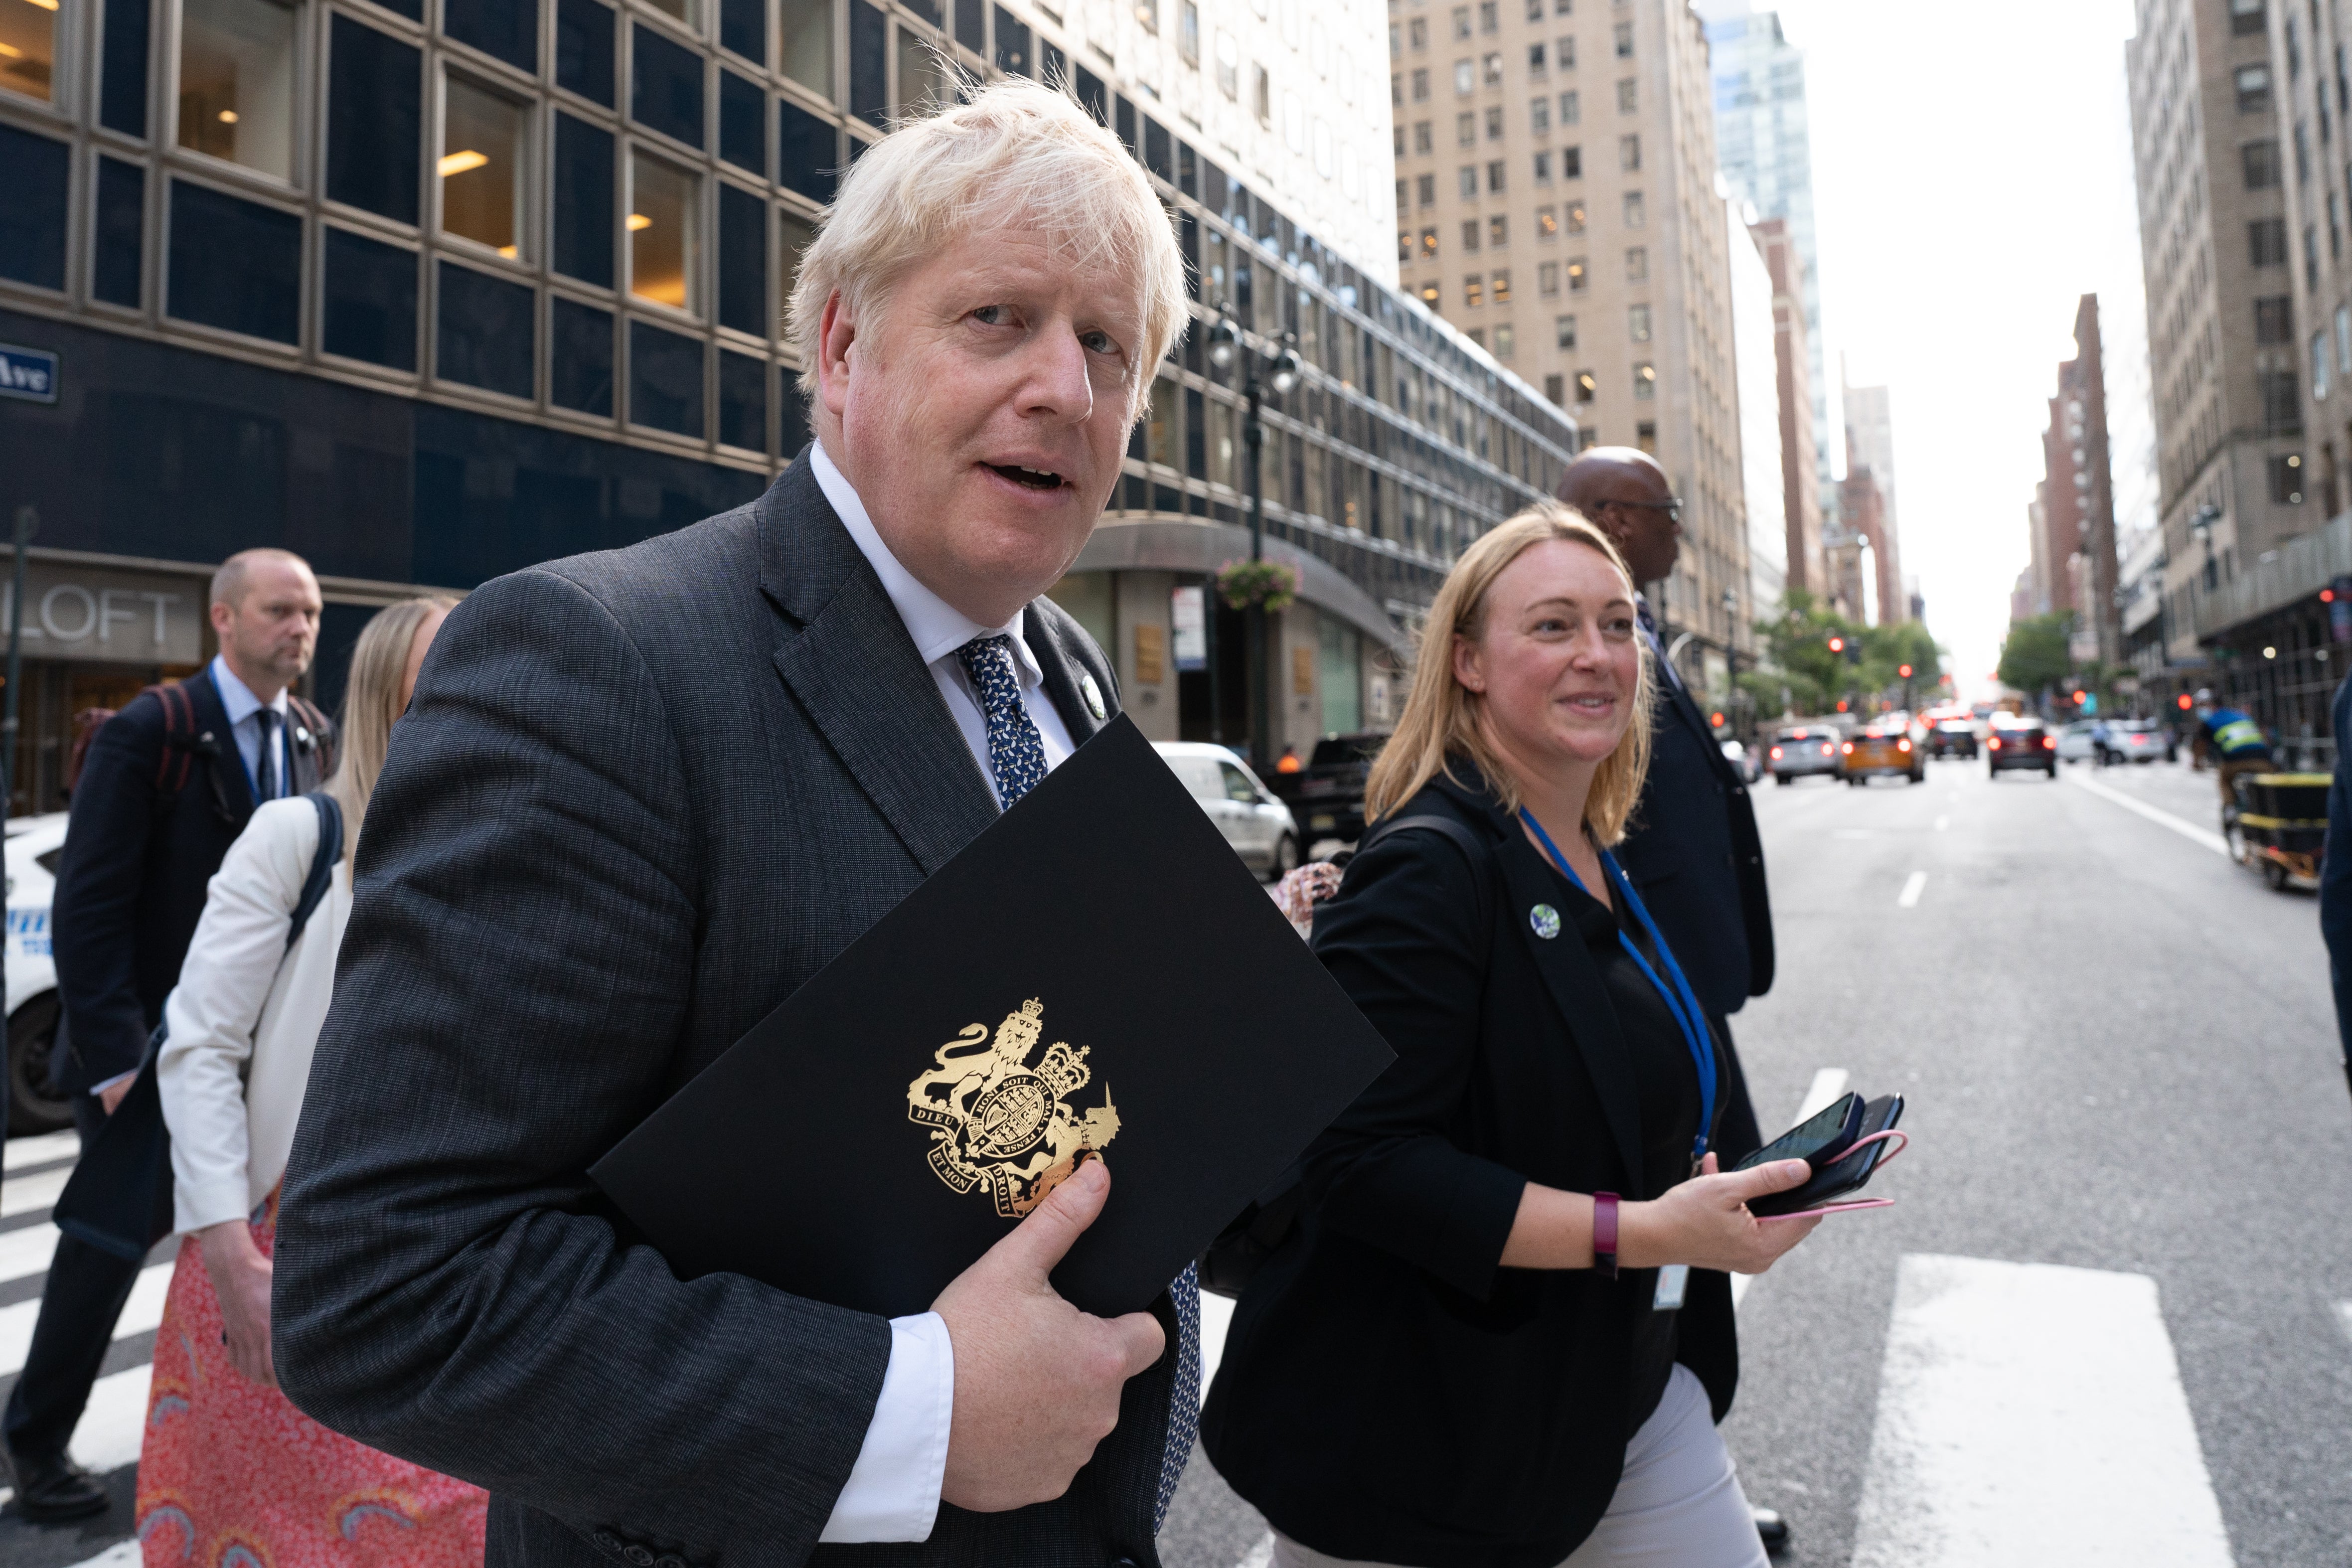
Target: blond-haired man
[{"x": 643, "y": 795}]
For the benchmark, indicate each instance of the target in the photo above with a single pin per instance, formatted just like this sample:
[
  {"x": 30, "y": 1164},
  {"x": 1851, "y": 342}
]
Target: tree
[{"x": 2033, "y": 657}]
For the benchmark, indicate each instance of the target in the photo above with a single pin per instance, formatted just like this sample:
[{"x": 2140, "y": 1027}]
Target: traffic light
[
  {"x": 2078, "y": 697},
  {"x": 2328, "y": 595},
  {"x": 1837, "y": 644},
  {"x": 1716, "y": 720},
  {"x": 1841, "y": 704},
  {"x": 2184, "y": 703},
  {"x": 1903, "y": 671}
]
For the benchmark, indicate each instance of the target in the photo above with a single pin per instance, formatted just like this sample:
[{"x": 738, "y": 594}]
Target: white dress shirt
[
  {"x": 242, "y": 706},
  {"x": 893, "y": 1493}
]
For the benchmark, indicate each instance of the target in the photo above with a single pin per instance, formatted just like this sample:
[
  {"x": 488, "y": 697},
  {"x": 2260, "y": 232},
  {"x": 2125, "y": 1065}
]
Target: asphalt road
[{"x": 2103, "y": 1322}]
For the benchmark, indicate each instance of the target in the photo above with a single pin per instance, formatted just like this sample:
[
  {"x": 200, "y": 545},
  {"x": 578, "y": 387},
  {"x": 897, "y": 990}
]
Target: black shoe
[
  {"x": 1772, "y": 1528},
  {"x": 54, "y": 1489}
]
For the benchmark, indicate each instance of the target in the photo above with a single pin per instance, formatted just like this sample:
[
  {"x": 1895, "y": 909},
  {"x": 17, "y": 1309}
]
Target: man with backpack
[{"x": 168, "y": 784}]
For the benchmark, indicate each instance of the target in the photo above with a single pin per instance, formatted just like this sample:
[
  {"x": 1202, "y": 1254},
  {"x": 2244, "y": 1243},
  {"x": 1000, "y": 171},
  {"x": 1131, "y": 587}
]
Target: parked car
[
  {"x": 1749, "y": 764},
  {"x": 1805, "y": 752},
  {"x": 1953, "y": 738},
  {"x": 1259, "y": 828},
  {"x": 2137, "y": 740},
  {"x": 2020, "y": 742},
  {"x": 33, "y": 845},
  {"x": 1326, "y": 796},
  {"x": 2076, "y": 744},
  {"x": 1882, "y": 750}
]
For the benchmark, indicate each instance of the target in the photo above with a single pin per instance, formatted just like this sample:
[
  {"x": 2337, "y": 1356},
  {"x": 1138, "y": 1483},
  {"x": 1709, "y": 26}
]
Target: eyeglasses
[{"x": 1671, "y": 508}]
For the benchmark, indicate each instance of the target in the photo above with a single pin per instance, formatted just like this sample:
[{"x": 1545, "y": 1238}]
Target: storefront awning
[{"x": 1204, "y": 547}]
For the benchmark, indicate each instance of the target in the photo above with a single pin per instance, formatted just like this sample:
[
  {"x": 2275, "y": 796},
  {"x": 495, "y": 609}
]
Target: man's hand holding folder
[{"x": 1028, "y": 1412}]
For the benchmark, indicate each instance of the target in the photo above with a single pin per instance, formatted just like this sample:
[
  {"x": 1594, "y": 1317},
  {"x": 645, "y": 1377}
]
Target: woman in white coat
[{"x": 230, "y": 1464}]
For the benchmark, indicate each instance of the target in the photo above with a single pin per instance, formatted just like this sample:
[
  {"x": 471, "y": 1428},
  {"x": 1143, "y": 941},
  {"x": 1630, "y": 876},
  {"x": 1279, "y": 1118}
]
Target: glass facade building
[{"x": 432, "y": 289}]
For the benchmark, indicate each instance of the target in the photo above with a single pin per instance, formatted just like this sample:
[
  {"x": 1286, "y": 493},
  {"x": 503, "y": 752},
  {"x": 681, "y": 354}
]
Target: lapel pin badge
[
  {"x": 1093, "y": 694},
  {"x": 1544, "y": 920}
]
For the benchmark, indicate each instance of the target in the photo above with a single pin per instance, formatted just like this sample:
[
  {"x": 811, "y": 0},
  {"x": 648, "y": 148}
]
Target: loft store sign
[{"x": 109, "y": 617}]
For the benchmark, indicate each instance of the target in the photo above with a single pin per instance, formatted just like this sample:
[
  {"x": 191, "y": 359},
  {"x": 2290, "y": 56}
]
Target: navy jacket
[
  {"x": 2336, "y": 876},
  {"x": 130, "y": 884}
]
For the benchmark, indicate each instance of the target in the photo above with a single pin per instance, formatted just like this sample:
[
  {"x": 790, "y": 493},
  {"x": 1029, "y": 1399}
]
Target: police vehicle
[{"x": 34, "y": 843}]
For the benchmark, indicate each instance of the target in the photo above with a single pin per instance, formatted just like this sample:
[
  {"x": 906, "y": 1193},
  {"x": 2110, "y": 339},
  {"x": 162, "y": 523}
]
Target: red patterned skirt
[{"x": 233, "y": 1476}]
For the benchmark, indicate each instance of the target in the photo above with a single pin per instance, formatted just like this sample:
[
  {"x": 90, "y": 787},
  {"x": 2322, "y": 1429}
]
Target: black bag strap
[{"x": 322, "y": 863}]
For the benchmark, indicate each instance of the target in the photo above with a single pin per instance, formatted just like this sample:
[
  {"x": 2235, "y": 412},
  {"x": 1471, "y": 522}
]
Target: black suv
[
  {"x": 1326, "y": 796},
  {"x": 2024, "y": 743},
  {"x": 1953, "y": 738}
]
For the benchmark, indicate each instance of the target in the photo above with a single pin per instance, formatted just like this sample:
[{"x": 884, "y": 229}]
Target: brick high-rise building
[
  {"x": 1800, "y": 464},
  {"x": 2205, "y": 86},
  {"x": 2077, "y": 493},
  {"x": 1558, "y": 201}
]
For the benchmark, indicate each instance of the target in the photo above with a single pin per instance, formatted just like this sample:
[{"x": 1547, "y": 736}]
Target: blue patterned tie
[
  {"x": 1666, "y": 670},
  {"x": 1016, "y": 757}
]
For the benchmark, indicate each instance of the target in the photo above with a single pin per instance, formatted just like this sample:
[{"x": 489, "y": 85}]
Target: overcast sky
[{"x": 1972, "y": 179}]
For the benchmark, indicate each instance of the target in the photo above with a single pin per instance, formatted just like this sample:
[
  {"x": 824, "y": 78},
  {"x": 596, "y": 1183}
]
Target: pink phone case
[{"x": 1902, "y": 1141}]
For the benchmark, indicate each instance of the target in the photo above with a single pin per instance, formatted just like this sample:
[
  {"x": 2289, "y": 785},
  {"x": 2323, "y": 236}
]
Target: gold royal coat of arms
[{"x": 997, "y": 1120}]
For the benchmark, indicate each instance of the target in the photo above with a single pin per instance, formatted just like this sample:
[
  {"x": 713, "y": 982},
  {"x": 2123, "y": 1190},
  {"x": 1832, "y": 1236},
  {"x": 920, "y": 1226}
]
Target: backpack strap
[
  {"x": 177, "y": 757},
  {"x": 323, "y": 862},
  {"x": 322, "y": 730},
  {"x": 1476, "y": 850}
]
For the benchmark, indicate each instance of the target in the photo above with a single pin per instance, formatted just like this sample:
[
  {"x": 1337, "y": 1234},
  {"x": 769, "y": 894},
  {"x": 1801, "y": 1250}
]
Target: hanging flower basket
[{"x": 1268, "y": 584}]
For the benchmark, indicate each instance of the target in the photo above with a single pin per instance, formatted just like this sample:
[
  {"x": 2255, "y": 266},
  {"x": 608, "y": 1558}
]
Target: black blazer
[
  {"x": 131, "y": 883},
  {"x": 641, "y": 797},
  {"x": 1694, "y": 853},
  {"x": 1389, "y": 1392}
]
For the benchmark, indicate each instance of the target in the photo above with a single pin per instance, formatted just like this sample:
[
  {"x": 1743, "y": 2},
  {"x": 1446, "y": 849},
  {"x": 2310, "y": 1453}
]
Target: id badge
[{"x": 1672, "y": 1278}]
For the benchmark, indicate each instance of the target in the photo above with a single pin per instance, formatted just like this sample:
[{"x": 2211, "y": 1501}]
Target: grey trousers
[{"x": 1678, "y": 1506}]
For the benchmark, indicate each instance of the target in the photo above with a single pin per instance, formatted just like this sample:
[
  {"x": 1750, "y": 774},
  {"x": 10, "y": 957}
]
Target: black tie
[{"x": 267, "y": 773}]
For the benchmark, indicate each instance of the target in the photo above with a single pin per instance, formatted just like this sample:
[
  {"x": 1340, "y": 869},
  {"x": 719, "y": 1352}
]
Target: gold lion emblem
[{"x": 995, "y": 1119}]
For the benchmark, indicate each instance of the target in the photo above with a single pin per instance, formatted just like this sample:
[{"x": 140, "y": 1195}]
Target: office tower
[
  {"x": 1756, "y": 354},
  {"x": 2077, "y": 493},
  {"x": 1801, "y": 470},
  {"x": 1870, "y": 436},
  {"x": 1560, "y": 206},
  {"x": 2205, "y": 92}
]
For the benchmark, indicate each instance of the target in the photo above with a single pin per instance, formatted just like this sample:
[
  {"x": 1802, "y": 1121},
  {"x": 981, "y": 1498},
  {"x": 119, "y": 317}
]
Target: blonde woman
[
  {"x": 230, "y": 1466},
  {"x": 1471, "y": 1353}
]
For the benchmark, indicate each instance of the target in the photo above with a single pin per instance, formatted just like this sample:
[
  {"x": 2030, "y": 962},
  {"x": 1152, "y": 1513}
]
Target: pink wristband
[{"x": 1604, "y": 1234}]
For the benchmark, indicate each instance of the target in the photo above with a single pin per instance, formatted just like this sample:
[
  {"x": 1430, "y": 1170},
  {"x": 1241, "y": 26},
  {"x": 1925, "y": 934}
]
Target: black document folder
[{"x": 1097, "y": 971}]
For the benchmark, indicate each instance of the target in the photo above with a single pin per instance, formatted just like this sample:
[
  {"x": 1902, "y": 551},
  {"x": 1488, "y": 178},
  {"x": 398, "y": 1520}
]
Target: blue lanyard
[{"x": 1678, "y": 998}]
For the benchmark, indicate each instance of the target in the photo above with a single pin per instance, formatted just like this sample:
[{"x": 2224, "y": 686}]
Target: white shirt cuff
[
  {"x": 109, "y": 1083},
  {"x": 893, "y": 1492}
]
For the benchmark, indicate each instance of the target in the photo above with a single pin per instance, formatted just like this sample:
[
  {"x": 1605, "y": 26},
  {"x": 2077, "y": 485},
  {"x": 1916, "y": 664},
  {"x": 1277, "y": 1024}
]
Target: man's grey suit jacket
[{"x": 641, "y": 796}]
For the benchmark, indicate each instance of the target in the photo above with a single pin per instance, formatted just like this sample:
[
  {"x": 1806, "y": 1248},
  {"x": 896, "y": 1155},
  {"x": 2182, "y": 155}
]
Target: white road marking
[
  {"x": 2029, "y": 1413},
  {"x": 29, "y": 1195},
  {"x": 40, "y": 1151},
  {"x": 140, "y": 1314},
  {"x": 2343, "y": 1318},
  {"x": 1942, "y": 823},
  {"x": 113, "y": 1423},
  {"x": 1912, "y": 887},
  {"x": 2189, "y": 830},
  {"x": 27, "y": 1252},
  {"x": 121, "y": 1555},
  {"x": 1827, "y": 1085}
]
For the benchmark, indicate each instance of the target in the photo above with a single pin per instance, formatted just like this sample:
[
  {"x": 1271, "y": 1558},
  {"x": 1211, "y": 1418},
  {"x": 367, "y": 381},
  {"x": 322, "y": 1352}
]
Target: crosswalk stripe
[
  {"x": 114, "y": 1422},
  {"x": 2030, "y": 1413},
  {"x": 40, "y": 1150},
  {"x": 121, "y": 1555},
  {"x": 27, "y": 1252},
  {"x": 140, "y": 1315},
  {"x": 28, "y": 1195}
]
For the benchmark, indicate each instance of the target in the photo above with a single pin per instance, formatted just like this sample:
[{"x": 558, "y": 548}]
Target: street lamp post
[
  {"x": 28, "y": 523},
  {"x": 1225, "y": 345}
]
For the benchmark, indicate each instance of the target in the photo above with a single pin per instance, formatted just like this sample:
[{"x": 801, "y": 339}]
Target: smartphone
[
  {"x": 1836, "y": 1177},
  {"x": 1817, "y": 1138}
]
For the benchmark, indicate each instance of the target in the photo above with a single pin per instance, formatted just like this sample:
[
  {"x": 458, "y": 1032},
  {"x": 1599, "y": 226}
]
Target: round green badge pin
[{"x": 1545, "y": 919}]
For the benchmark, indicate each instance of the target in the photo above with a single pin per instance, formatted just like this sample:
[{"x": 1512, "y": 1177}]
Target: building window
[
  {"x": 1417, "y": 32},
  {"x": 484, "y": 337},
  {"x": 509, "y": 30},
  {"x": 665, "y": 380},
  {"x": 1569, "y": 113},
  {"x": 924, "y": 84},
  {"x": 2286, "y": 480},
  {"x": 1499, "y": 232},
  {"x": 33, "y": 208},
  {"x": 2279, "y": 396},
  {"x": 1547, "y": 278},
  {"x": 1423, "y": 139},
  {"x": 2274, "y": 320},
  {"x": 2344, "y": 339},
  {"x": 584, "y": 48},
  {"x": 1505, "y": 341},
  {"x": 1635, "y": 211},
  {"x": 743, "y": 265},
  {"x": 1629, "y": 153},
  {"x": 742, "y": 123},
  {"x": 1404, "y": 235},
  {"x": 2302, "y": 153},
  {"x": 1645, "y": 436},
  {"x": 28, "y": 48},
  {"x": 1473, "y": 290},
  {"x": 237, "y": 82},
  {"x": 1546, "y": 223},
  {"x": 1478, "y": 335},
  {"x": 1564, "y": 52},
  {"x": 1465, "y": 77},
  {"x": 1536, "y": 66},
  {"x": 1622, "y": 35},
  {"x": 1465, "y": 129},
  {"x": 2319, "y": 358},
  {"x": 807, "y": 151},
  {"x": 1424, "y": 189},
  {"x": 1576, "y": 276},
  {"x": 664, "y": 227},
  {"x": 481, "y": 165},
  {"x": 2260, "y": 161},
  {"x": 1495, "y": 178},
  {"x": 369, "y": 312},
  {"x": 1429, "y": 244},
  {"x": 2253, "y": 84},
  {"x": 1587, "y": 386},
  {"x": 1430, "y": 295},
  {"x": 1502, "y": 287},
  {"x": 742, "y": 401},
  {"x": 2245, "y": 17},
  {"x": 580, "y": 357},
  {"x": 1229, "y": 70},
  {"x": 1491, "y": 72},
  {"x": 1571, "y": 163},
  {"x": 1467, "y": 178},
  {"x": 1572, "y": 215},
  {"x": 666, "y": 86},
  {"x": 1420, "y": 84},
  {"x": 1563, "y": 331},
  {"x": 1470, "y": 235},
  {"x": 1539, "y": 117},
  {"x": 1543, "y": 168},
  {"x": 583, "y": 226},
  {"x": 2266, "y": 241},
  {"x": 119, "y": 238},
  {"x": 1629, "y": 92},
  {"x": 1188, "y": 34},
  {"x": 1461, "y": 22},
  {"x": 374, "y": 119},
  {"x": 2311, "y": 258},
  {"x": 1637, "y": 323},
  {"x": 1495, "y": 123},
  {"x": 1261, "y": 93},
  {"x": 1637, "y": 264},
  {"x": 1555, "y": 388},
  {"x": 1488, "y": 21},
  {"x": 1645, "y": 382}
]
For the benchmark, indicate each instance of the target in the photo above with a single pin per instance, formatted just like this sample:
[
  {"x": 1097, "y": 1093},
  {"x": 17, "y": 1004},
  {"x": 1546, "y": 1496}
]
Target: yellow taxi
[{"x": 1883, "y": 749}]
